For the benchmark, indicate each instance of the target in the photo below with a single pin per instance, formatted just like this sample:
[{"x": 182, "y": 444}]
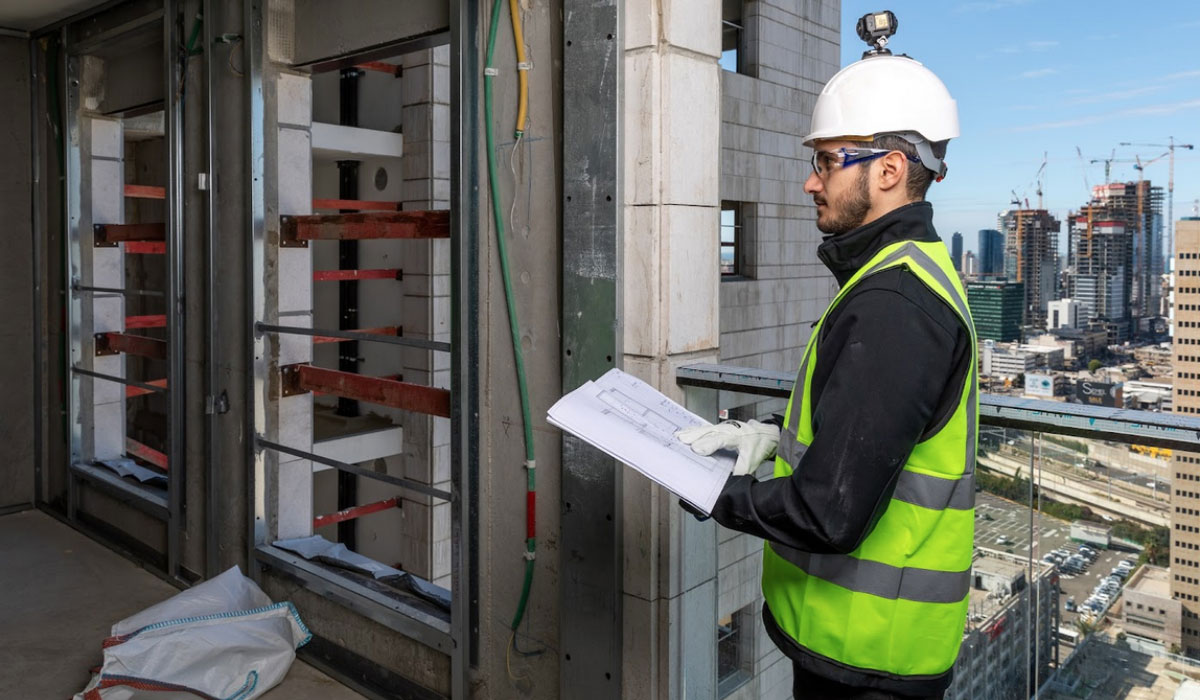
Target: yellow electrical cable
[{"x": 522, "y": 78}]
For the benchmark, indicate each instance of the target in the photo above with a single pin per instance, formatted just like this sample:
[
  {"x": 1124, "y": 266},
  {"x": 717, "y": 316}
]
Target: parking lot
[{"x": 1004, "y": 525}]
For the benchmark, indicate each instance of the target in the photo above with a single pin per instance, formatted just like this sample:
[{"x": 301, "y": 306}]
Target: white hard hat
[{"x": 884, "y": 94}]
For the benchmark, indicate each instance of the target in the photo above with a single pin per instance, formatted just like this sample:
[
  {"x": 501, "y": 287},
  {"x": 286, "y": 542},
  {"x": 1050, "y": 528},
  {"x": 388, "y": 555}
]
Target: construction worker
[{"x": 869, "y": 518}]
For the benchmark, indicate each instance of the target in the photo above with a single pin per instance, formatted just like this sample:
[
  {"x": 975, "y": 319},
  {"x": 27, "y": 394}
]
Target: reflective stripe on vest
[
  {"x": 876, "y": 578},
  {"x": 919, "y": 489}
]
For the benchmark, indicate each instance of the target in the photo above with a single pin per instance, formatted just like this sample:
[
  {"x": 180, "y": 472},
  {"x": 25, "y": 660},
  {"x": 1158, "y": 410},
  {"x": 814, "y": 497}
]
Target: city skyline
[{"x": 1025, "y": 81}]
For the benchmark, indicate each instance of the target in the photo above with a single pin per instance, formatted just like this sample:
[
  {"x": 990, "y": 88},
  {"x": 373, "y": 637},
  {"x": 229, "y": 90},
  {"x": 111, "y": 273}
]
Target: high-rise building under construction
[
  {"x": 1099, "y": 276},
  {"x": 1031, "y": 257},
  {"x": 1115, "y": 255},
  {"x": 1138, "y": 205}
]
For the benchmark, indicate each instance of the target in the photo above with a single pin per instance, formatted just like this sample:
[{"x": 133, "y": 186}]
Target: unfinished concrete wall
[
  {"x": 531, "y": 205},
  {"x": 767, "y": 313},
  {"x": 425, "y": 541},
  {"x": 16, "y": 276},
  {"x": 672, "y": 123}
]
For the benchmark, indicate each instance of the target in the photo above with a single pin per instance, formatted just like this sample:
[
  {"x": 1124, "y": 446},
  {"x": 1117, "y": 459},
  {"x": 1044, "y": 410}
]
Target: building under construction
[
  {"x": 1115, "y": 257},
  {"x": 288, "y": 276},
  {"x": 1139, "y": 207},
  {"x": 1031, "y": 257}
]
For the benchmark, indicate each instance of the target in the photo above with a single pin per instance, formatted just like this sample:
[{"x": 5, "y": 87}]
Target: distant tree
[
  {"x": 1094, "y": 365},
  {"x": 1019, "y": 381}
]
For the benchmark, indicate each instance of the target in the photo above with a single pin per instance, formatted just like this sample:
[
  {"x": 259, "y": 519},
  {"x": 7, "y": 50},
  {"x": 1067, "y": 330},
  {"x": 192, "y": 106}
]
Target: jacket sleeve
[{"x": 883, "y": 366}]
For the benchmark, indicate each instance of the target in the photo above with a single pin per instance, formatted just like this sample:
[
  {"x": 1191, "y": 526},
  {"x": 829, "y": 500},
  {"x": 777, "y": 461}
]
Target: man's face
[{"x": 842, "y": 195}]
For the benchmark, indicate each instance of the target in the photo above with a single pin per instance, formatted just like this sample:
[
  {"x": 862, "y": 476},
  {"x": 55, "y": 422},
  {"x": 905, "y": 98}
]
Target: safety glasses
[{"x": 825, "y": 162}]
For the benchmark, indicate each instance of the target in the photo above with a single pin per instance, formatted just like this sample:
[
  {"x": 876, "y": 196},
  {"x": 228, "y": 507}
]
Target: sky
[{"x": 1036, "y": 77}]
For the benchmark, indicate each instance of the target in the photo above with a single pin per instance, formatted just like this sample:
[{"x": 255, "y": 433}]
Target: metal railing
[{"x": 730, "y": 385}]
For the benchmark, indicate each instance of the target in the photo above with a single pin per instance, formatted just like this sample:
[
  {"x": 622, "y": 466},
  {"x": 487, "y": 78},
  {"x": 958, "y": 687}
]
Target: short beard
[{"x": 854, "y": 209}]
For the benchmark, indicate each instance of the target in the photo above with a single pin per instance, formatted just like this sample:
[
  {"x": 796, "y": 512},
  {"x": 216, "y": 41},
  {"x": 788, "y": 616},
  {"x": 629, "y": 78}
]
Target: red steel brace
[
  {"x": 145, "y": 192},
  {"x": 381, "y": 67},
  {"x": 298, "y": 379},
  {"x": 112, "y": 343},
  {"x": 112, "y": 234},
  {"x": 383, "y": 330},
  {"x": 145, "y": 248},
  {"x": 355, "y": 512},
  {"x": 132, "y": 322},
  {"x": 360, "y": 204},
  {"x": 296, "y": 231},
  {"x": 147, "y": 454},
  {"x": 132, "y": 391},
  {"x": 352, "y": 275}
]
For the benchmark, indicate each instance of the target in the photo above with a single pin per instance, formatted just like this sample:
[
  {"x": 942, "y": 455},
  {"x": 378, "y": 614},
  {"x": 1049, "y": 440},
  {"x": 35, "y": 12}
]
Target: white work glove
[{"x": 753, "y": 441}]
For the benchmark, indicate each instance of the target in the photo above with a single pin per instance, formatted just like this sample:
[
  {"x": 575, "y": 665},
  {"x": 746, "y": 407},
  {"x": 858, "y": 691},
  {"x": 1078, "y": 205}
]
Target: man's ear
[{"x": 893, "y": 171}]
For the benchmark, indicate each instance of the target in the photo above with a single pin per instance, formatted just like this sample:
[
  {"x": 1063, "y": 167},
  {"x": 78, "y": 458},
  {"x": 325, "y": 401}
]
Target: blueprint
[{"x": 633, "y": 422}]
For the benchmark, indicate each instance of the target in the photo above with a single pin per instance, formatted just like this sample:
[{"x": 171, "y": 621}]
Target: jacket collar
[{"x": 844, "y": 254}]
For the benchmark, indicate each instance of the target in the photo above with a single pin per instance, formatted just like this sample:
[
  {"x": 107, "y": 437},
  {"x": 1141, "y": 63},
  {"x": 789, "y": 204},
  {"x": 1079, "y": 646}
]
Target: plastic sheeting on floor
[
  {"x": 336, "y": 554},
  {"x": 223, "y": 638}
]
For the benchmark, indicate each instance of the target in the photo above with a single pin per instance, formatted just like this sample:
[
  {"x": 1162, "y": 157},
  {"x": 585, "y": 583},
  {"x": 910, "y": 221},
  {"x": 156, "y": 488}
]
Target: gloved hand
[{"x": 753, "y": 441}]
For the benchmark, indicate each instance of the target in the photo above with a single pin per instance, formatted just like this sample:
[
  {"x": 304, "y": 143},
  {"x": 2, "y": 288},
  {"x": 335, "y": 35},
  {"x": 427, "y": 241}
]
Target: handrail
[{"x": 1080, "y": 420}]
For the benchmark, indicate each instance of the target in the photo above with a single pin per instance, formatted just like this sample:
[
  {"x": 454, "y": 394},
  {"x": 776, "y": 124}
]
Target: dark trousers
[{"x": 808, "y": 686}]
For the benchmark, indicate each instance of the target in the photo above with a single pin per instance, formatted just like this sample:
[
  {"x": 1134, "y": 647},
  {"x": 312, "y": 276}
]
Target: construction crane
[
  {"x": 1088, "y": 185},
  {"x": 1139, "y": 242},
  {"x": 1107, "y": 163},
  {"x": 1016, "y": 201},
  {"x": 1170, "y": 146},
  {"x": 1038, "y": 177}
]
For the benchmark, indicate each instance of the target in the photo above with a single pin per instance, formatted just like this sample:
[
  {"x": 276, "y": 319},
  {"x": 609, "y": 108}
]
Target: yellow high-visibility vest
[{"x": 897, "y": 604}]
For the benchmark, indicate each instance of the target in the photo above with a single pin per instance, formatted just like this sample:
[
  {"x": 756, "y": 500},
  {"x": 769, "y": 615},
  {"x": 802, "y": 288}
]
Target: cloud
[
  {"x": 1179, "y": 76},
  {"x": 1064, "y": 124},
  {"x": 1027, "y": 47},
  {"x": 1039, "y": 73},
  {"x": 1169, "y": 108},
  {"x": 1146, "y": 111},
  {"x": 1117, "y": 95},
  {"x": 989, "y": 5}
]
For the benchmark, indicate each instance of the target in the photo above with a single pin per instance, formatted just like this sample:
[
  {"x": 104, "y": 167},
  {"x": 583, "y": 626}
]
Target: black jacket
[{"x": 890, "y": 365}]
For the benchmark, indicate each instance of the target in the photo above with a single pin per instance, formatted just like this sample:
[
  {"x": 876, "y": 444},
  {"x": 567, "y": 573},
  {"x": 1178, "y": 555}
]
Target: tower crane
[
  {"x": 1107, "y": 163},
  {"x": 1170, "y": 146},
  {"x": 1088, "y": 185},
  {"x": 1018, "y": 232}
]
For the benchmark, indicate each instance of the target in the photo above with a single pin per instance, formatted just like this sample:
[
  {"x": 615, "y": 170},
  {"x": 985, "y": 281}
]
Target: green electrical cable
[
  {"x": 518, "y": 356},
  {"x": 191, "y": 42}
]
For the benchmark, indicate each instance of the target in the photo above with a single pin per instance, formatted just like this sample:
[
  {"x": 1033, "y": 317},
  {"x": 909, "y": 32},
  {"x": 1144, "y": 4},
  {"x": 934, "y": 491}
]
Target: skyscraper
[
  {"x": 1138, "y": 206},
  {"x": 1099, "y": 272},
  {"x": 956, "y": 250},
  {"x": 1185, "y": 519},
  {"x": 1030, "y": 256},
  {"x": 996, "y": 309},
  {"x": 991, "y": 252}
]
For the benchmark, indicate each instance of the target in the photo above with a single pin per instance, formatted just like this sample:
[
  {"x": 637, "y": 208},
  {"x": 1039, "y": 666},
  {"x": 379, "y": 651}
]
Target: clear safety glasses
[{"x": 825, "y": 162}]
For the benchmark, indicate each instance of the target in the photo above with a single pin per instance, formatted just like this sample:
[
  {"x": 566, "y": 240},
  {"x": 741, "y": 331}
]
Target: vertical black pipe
[{"x": 348, "y": 294}]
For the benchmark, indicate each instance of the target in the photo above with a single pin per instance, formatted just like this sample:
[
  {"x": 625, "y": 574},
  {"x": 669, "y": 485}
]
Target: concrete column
[
  {"x": 425, "y": 93},
  {"x": 672, "y": 124},
  {"x": 289, "y": 285},
  {"x": 102, "y": 152}
]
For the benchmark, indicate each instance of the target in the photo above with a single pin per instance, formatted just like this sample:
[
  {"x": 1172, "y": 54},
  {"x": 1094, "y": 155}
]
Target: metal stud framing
[{"x": 163, "y": 237}]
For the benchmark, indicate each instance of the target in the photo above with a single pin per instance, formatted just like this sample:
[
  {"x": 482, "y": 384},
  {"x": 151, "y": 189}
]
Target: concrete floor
[{"x": 61, "y": 591}]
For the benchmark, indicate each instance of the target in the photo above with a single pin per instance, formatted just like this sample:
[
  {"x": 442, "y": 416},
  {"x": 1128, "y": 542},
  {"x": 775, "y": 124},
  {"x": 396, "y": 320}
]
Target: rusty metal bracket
[
  {"x": 289, "y": 381},
  {"x": 103, "y": 348},
  {"x": 287, "y": 234}
]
